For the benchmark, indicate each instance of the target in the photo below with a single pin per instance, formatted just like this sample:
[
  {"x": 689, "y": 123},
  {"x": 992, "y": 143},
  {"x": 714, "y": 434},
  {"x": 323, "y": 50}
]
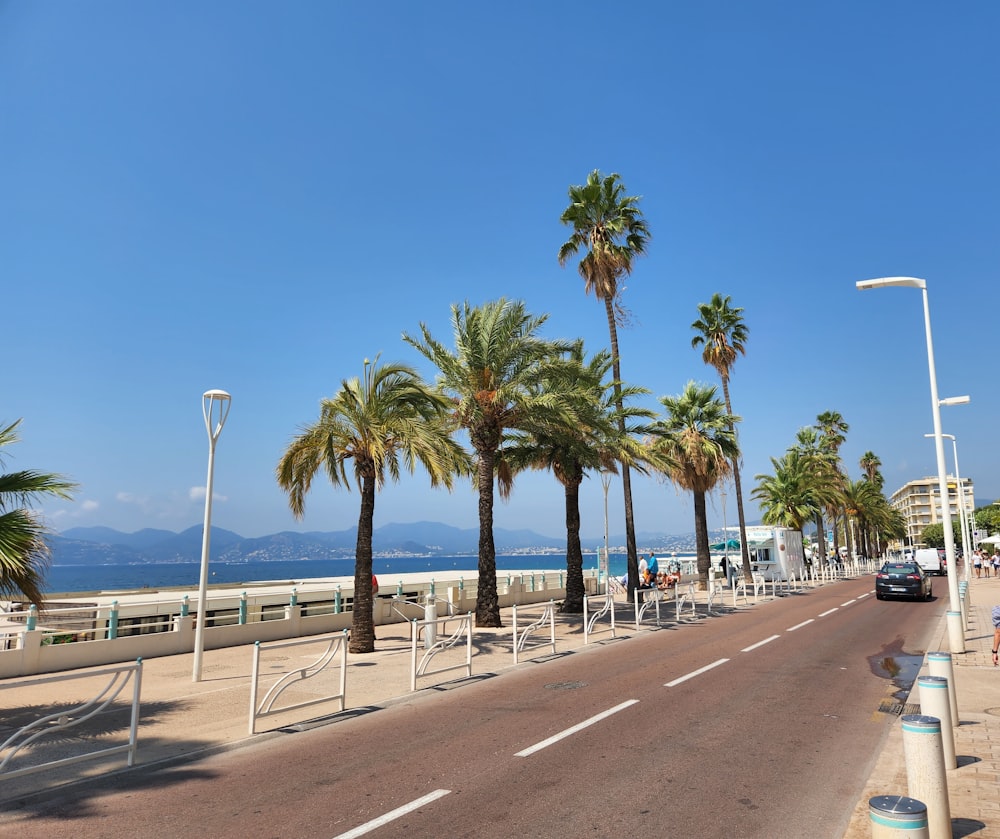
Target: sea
[{"x": 68, "y": 579}]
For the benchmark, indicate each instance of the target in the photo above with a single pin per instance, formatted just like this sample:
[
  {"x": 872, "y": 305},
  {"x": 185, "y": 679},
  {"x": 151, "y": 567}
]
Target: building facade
[{"x": 920, "y": 503}]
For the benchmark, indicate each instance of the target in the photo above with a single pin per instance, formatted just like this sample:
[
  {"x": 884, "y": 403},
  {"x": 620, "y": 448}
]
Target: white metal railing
[
  {"x": 520, "y": 642},
  {"x": 60, "y": 721},
  {"x": 686, "y": 600},
  {"x": 464, "y": 628},
  {"x": 607, "y": 602},
  {"x": 336, "y": 648}
]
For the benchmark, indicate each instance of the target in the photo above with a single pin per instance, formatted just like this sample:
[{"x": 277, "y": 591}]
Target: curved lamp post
[
  {"x": 962, "y": 515},
  {"x": 956, "y": 634},
  {"x": 209, "y": 401}
]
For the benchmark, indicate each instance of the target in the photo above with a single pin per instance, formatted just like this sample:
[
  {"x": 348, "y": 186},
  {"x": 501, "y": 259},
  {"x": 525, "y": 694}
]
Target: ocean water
[{"x": 67, "y": 579}]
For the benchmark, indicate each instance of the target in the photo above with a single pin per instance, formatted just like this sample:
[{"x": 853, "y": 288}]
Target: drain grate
[{"x": 899, "y": 709}]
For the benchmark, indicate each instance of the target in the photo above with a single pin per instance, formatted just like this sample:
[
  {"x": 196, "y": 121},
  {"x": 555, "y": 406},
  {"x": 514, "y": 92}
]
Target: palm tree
[
  {"x": 385, "y": 419},
  {"x": 723, "y": 334},
  {"x": 591, "y": 443},
  {"x": 807, "y": 444},
  {"x": 695, "y": 445},
  {"x": 491, "y": 378},
  {"x": 870, "y": 464},
  {"x": 24, "y": 553},
  {"x": 790, "y": 496},
  {"x": 833, "y": 430},
  {"x": 608, "y": 227}
]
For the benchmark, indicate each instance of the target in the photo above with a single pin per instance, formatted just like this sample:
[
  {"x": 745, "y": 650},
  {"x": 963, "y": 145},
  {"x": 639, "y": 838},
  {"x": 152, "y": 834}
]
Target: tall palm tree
[
  {"x": 695, "y": 445},
  {"x": 385, "y": 419},
  {"x": 591, "y": 442},
  {"x": 833, "y": 432},
  {"x": 722, "y": 333},
  {"x": 610, "y": 231},
  {"x": 24, "y": 553},
  {"x": 491, "y": 378},
  {"x": 871, "y": 464},
  {"x": 823, "y": 467}
]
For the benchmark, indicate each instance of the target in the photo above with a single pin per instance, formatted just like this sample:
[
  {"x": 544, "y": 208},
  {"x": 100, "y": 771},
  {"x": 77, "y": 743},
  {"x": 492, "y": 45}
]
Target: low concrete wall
[{"x": 31, "y": 655}]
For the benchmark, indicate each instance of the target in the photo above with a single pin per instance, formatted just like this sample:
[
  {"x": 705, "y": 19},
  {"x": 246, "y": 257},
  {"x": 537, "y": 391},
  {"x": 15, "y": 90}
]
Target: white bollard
[
  {"x": 925, "y": 774},
  {"x": 956, "y": 631},
  {"x": 430, "y": 614},
  {"x": 939, "y": 664},
  {"x": 897, "y": 817},
  {"x": 934, "y": 703}
]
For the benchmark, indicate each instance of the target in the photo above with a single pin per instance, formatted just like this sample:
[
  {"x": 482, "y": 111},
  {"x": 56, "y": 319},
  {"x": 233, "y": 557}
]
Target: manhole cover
[{"x": 566, "y": 685}]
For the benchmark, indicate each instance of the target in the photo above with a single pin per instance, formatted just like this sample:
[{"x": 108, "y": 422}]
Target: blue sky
[{"x": 257, "y": 196}]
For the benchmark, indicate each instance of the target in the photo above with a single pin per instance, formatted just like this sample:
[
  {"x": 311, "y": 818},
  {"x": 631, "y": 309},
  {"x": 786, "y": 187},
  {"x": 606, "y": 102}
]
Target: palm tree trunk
[
  {"x": 701, "y": 544},
  {"x": 487, "y": 599},
  {"x": 630, "y": 547},
  {"x": 744, "y": 548},
  {"x": 574, "y": 551},
  {"x": 362, "y": 626},
  {"x": 820, "y": 539}
]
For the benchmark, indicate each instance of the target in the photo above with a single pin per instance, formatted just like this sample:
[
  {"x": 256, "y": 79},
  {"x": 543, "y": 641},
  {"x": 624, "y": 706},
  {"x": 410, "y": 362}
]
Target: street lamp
[
  {"x": 962, "y": 517},
  {"x": 956, "y": 633},
  {"x": 209, "y": 400}
]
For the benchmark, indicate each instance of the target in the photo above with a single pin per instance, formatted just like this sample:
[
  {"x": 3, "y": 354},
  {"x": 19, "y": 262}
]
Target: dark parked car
[{"x": 902, "y": 579}]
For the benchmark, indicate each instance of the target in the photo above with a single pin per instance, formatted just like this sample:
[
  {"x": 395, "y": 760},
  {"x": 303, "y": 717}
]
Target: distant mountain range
[{"x": 106, "y": 546}]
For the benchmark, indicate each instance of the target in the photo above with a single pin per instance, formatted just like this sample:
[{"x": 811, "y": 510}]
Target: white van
[{"x": 930, "y": 560}]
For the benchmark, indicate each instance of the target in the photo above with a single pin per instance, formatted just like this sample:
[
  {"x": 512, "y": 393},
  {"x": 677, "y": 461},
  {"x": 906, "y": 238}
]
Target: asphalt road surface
[{"x": 761, "y": 723}]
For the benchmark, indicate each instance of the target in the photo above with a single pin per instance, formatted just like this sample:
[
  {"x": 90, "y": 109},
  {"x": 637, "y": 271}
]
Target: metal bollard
[
  {"x": 897, "y": 817},
  {"x": 934, "y": 703},
  {"x": 925, "y": 774},
  {"x": 939, "y": 664},
  {"x": 430, "y": 614}
]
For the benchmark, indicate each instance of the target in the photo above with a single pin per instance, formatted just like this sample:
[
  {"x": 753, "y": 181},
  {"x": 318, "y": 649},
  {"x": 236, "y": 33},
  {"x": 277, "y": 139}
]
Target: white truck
[{"x": 776, "y": 552}]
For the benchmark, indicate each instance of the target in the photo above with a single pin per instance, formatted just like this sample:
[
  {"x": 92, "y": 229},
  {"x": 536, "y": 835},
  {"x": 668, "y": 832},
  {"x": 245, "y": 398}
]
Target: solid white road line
[
  {"x": 799, "y": 625},
  {"x": 697, "y": 672},
  {"x": 392, "y": 815},
  {"x": 827, "y": 612},
  {"x": 555, "y": 738},
  {"x": 760, "y": 644}
]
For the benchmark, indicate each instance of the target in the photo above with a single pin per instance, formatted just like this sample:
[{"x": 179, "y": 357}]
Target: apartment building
[{"x": 920, "y": 503}]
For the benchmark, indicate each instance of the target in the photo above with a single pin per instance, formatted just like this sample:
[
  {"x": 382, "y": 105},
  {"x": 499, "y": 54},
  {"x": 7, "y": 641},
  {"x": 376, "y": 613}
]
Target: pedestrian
[
  {"x": 977, "y": 562},
  {"x": 996, "y": 633},
  {"x": 996, "y": 562}
]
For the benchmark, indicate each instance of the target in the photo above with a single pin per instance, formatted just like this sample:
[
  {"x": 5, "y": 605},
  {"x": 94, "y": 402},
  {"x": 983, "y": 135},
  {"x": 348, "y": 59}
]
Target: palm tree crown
[
  {"x": 24, "y": 553},
  {"x": 608, "y": 227},
  {"x": 386, "y": 419}
]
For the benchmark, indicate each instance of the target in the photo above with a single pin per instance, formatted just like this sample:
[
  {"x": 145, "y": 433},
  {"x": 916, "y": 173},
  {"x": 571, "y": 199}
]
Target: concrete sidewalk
[{"x": 974, "y": 787}]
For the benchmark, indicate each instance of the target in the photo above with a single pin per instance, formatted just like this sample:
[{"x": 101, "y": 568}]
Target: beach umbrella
[{"x": 994, "y": 539}]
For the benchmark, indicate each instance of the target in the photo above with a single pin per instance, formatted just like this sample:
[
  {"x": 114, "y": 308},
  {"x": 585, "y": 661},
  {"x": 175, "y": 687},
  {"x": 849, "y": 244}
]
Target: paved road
[{"x": 776, "y": 739}]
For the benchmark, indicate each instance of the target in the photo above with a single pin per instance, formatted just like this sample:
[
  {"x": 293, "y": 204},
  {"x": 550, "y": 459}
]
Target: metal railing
[
  {"x": 336, "y": 648},
  {"x": 464, "y": 628},
  {"x": 55, "y": 724},
  {"x": 607, "y": 602},
  {"x": 520, "y": 642}
]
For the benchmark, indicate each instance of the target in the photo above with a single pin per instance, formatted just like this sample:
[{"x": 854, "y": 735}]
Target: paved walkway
[
  {"x": 182, "y": 718},
  {"x": 974, "y": 787}
]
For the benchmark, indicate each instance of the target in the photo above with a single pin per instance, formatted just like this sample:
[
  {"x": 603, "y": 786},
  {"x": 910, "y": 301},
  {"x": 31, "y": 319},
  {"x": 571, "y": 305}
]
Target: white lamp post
[
  {"x": 209, "y": 400},
  {"x": 956, "y": 633},
  {"x": 962, "y": 517}
]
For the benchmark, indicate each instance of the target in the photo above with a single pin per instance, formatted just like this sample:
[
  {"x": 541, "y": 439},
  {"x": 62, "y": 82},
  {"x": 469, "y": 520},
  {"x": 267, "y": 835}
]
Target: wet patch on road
[{"x": 902, "y": 670}]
